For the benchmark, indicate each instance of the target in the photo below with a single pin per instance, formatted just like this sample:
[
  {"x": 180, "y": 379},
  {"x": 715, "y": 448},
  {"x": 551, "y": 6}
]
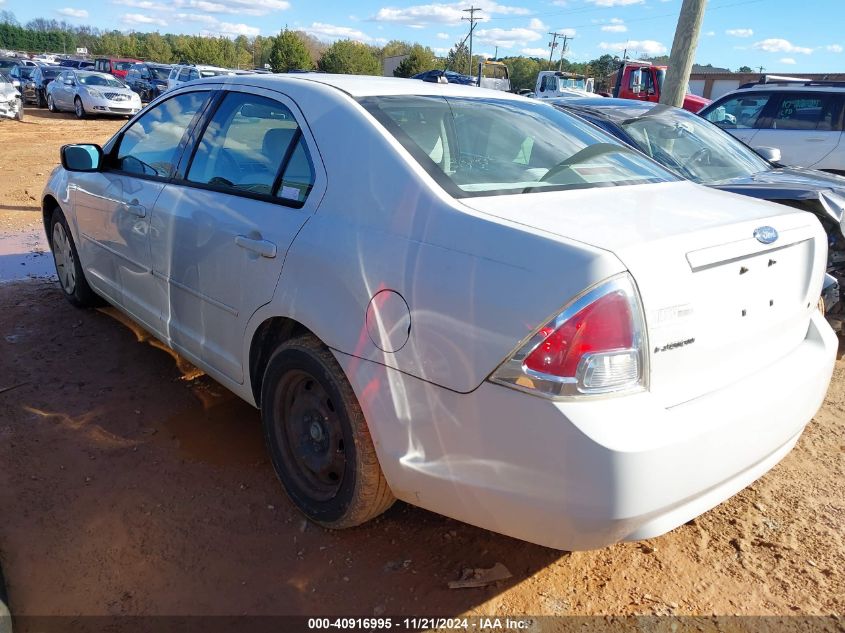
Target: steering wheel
[
  {"x": 591, "y": 151},
  {"x": 697, "y": 156}
]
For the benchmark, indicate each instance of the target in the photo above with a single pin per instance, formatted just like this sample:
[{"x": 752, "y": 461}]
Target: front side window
[
  {"x": 183, "y": 76},
  {"x": 159, "y": 73},
  {"x": 479, "y": 147},
  {"x": 248, "y": 143},
  {"x": 193, "y": 75},
  {"x": 122, "y": 65},
  {"x": 150, "y": 146},
  {"x": 738, "y": 112}
]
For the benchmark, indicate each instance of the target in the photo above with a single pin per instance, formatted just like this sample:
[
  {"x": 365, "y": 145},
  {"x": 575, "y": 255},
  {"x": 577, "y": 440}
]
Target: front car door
[
  {"x": 220, "y": 234},
  {"x": 805, "y": 125},
  {"x": 114, "y": 206}
]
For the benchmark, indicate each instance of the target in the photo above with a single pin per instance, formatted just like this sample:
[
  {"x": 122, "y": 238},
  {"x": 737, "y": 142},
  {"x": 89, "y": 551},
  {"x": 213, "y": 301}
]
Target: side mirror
[
  {"x": 82, "y": 157},
  {"x": 771, "y": 154},
  {"x": 637, "y": 81}
]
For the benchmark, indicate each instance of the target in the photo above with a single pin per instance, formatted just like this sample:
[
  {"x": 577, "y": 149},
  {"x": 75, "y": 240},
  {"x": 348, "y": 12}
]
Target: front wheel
[
  {"x": 19, "y": 113},
  {"x": 78, "y": 108},
  {"x": 71, "y": 278},
  {"x": 318, "y": 439},
  {"x": 42, "y": 102},
  {"x": 51, "y": 105}
]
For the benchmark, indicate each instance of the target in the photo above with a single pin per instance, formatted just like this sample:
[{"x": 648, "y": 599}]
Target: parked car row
[{"x": 535, "y": 327}]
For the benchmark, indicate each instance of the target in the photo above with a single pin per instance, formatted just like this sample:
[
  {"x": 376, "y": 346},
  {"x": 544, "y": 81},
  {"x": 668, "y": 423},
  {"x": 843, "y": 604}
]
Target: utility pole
[
  {"x": 761, "y": 70},
  {"x": 552, "y": 45},
  {"x": 683, "y": 52},
  {"x": 563, "y": 52},
  {"x": 472, "y": 20}
]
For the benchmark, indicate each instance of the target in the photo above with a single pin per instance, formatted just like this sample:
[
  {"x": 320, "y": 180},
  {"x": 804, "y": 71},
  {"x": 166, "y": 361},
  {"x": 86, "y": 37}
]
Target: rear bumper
[{"x": 584, "y": 475}]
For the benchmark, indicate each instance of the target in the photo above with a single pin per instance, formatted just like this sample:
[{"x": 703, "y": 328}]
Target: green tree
[
  {"x": 523, "y": 72},
  {"x": 289, "y": 53},
  {"x": 745, "y": 69},
  {"x": 350, "y": 58},
  {"x": 394, "y": 48},
  {"x": 419, "y": 59},
  {"x": 156, "y": 48},
  {"x": 458, "y": 59}
]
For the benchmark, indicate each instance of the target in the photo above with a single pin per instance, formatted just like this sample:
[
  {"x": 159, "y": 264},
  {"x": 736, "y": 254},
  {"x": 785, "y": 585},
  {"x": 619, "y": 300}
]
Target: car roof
[{"x": 370, "y": 86}]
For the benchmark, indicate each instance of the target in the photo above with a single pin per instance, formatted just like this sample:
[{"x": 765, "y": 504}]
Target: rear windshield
[{"x": 481, "y": 147}]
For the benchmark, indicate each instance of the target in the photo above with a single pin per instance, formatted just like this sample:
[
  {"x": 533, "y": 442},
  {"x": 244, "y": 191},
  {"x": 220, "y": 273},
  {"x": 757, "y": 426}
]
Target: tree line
[{"x": 289, "y": 50}]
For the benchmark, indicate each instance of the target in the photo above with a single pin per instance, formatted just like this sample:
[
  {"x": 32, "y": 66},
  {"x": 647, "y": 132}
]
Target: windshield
[
  {"x": 26, "y": 71},
  {"x": 697, "y": 149},
  {"x": 49, "y": 73},
  {"x": 100, "y": 80},
  {"x": 7, "y": 63},
  {"x": 480, "y": 147},
  {"x": 122, "y": 65},
  {"x": 159, "y": 73}
]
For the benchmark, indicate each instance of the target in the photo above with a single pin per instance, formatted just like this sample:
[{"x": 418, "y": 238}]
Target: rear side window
[
  {"x": 740, "y": 111},
  {"x": 150, "y": 146},
  {"x": 253, "y": 145},
  {"x": 804, "y": 111}
]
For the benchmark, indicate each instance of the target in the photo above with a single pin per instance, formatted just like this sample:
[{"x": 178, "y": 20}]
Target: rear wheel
[
  {"x": 318, "y": 439},
  {"x": 78, "y": 108},
  {"x": 71, "y": 278}
]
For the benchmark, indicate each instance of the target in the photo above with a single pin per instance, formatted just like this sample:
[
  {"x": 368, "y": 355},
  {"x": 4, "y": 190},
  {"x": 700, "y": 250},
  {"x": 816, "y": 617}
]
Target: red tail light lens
[{"x": 595, "y": 345}]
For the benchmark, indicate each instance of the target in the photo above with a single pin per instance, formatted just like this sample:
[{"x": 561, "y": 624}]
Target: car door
[
  {"x": 220, "y": 235},
  {"x": 740, "y": 114},
  {"x": 113, "y": 207},
  {"x": 804, "y": 125}
]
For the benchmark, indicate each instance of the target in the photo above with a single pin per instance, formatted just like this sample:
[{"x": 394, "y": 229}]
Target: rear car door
[
  {"x": 804, "y": 125},
  {"x": 114, "y": 206},
  {"x": 740, "y": 114},
  {"x": 219, "y": 235}
]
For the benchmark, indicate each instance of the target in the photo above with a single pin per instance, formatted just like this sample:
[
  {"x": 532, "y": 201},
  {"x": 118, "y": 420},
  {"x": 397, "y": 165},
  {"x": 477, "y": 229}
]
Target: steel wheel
[
  {"x": 65, "y": 261},
  {"x": 313, "y": 437}
]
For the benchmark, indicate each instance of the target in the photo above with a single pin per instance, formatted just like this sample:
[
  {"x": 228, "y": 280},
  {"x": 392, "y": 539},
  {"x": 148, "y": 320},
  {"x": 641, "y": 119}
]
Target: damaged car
[{"x": 11, "y": 106}]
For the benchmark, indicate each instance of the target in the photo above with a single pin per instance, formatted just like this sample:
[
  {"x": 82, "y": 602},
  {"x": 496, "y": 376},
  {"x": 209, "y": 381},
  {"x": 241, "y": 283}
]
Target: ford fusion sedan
[
  {"x": 460, "y": 298},
  {"x": 703, "y": 153},
  {"x": 89, "y": 93}
]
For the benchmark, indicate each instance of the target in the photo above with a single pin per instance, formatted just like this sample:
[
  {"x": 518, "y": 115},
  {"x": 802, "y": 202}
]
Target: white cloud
[
  {"x": 73, "y": 13},
  {"x": 614, "y": 28},
  {"x": 228, "y": 28},
  {"x": 333, "y": 32},
  {"x": 834, "y": 48},
  {"x": 710, "y": 33},
  {"x": 777, "y": 45},
  {"x": 536, "y": 24},
  {"x": 443, "y": 13},
  {"x": 196, "y": 17},
  {"x": 136, "y": 19},
  {"x": 149, "y": 5},
  {"x": 443, "y": 36},
  {"x": 644, "y": 47},
  {"x": 535, "y": 52},
  {"x": 507, "y": 38},
  {"x": 242, "y": 7},
  {"x": 740, "y": 32},
  {"x": 614, "y": 3},
  {"x": 787, "y": 60}
]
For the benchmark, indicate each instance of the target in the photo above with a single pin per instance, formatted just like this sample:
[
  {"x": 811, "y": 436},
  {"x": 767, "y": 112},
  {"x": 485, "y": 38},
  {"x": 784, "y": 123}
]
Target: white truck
[{"x": 552, "y": 84}]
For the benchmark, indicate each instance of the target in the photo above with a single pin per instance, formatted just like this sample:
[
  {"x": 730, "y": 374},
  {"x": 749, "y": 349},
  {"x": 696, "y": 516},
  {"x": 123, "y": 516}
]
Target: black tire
[
  {"x": 72, "y": 280},
  {"x": 42, "y": 100},
  {"x": 78, "y": 108},
  {"x": 51, "y": 105},
  {"x": 318, "y": 438}
]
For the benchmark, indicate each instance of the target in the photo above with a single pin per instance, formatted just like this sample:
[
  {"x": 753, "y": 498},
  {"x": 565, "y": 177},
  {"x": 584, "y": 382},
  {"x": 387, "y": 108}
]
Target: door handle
[
  {"x": 262, "y": 247},
  {"x": 135, "y": 209},
  {"x": 815, "y": 139}
]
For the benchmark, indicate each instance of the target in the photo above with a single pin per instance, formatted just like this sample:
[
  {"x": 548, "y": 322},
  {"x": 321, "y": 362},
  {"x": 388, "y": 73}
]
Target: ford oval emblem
[{"x": 765, "y": 234}]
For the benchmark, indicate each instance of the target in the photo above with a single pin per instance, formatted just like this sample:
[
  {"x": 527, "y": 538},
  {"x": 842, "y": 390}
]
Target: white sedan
[
  {"x": 460, "y": 298},
  {"x": 87, "y": 93}
]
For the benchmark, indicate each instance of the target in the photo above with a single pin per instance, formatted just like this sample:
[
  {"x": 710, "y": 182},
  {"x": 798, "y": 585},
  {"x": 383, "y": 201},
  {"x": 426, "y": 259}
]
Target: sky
[{"x": 779, "y": 35}]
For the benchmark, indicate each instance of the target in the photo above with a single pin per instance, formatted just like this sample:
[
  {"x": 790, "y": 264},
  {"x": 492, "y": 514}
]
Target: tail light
[{"x": 596, "y": 345}]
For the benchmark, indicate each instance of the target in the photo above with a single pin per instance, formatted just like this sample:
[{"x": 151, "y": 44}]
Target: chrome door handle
[
  {"x": 135, "y": 209},
  {"x": 262, "y": 247}
]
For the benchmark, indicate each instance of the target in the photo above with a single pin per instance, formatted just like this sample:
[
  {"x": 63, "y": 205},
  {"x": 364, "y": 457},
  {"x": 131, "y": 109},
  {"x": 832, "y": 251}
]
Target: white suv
[
  {"x": 804, "y": 119},
  {"x": 183, "y": 73}
]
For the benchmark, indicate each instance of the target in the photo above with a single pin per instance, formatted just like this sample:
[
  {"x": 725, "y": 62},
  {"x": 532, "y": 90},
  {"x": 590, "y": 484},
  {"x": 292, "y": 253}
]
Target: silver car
[{"x": 85, "y": 93}]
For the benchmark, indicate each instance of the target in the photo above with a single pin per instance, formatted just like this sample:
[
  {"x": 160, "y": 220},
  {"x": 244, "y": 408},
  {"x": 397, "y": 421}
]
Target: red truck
[
  {"x": 643, "y": 81},
  {"x": 117, "y": 66}
]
